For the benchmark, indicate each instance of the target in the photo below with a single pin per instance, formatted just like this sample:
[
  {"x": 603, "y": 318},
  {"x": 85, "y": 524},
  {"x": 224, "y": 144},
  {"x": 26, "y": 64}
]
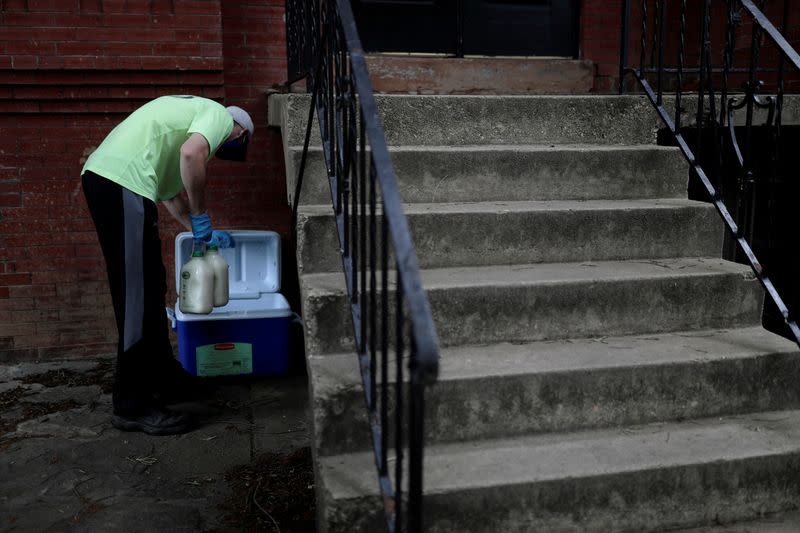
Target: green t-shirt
[{"x": 143, "y": 152}]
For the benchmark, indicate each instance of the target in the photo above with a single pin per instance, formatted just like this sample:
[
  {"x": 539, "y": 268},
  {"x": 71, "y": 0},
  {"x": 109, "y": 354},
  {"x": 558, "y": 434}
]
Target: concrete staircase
[{"x": 602, "y": 369}]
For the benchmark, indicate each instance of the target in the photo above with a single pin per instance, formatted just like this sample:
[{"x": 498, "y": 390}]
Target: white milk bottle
[
  {"x": 220, "y": 268},
  {"x": 197, "y": 285}
]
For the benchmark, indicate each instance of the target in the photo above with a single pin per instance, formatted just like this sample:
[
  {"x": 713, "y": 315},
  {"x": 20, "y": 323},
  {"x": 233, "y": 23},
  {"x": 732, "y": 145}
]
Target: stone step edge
[
  {"x": 333, "y": 283},
  {"x": 469, "y": 362},
  {"x": 524, "y": 206},
  {"x": 583, "y": 454}
]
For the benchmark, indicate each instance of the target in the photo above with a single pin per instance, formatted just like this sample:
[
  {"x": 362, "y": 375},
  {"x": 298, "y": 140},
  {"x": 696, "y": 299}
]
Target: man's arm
[
  {"x": 194, "y": 154},
  {"x": 179, "y": 210}
]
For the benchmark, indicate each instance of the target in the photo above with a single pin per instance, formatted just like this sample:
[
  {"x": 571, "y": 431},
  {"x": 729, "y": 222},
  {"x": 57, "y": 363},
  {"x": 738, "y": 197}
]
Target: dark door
[
  {"x": 407, "y": 25},
  {"x": 476, "y": 27},
  {"x": 520, "y": 27}
]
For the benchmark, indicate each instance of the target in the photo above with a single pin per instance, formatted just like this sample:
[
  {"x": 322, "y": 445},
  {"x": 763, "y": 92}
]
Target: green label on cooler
[{"x": 225, "y": 359}]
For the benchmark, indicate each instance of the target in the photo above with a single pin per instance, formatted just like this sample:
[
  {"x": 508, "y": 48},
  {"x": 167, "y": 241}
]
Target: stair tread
[
  {"x": 534, "y": 147},
  {"x": 332, "y": 372},
  {"x": 552, "y": 273},
  {"x": 522, "y": 206},
  {"x": 542, "y": 458}
]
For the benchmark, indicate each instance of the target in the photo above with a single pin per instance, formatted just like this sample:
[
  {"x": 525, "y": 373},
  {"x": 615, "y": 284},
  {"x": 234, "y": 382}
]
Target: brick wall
[
  {"x": 70, "y": 70},
  {"x": 599, "y": 36}
]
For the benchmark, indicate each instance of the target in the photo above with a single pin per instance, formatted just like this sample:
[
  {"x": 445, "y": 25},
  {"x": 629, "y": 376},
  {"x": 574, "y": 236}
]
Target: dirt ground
[{"x": 64, "y": 468}]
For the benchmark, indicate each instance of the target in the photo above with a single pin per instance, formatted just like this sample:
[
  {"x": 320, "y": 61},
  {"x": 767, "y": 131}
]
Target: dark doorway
[{"x": 474, "y": 27}]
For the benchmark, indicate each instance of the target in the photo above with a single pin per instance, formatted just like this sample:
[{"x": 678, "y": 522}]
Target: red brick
[
  {"x": 10, "y": 199},
  {"x": 30, "y": 291},
  {"x": 126, "y": 20},
  {"x": 184, "y": 21},
  {"x": 53, "y": 302},
  {"x": 29, "y": 47},
  {"x": 177, "y": 49},
  {"x": 15, "y": 5},
  {"x": 105, "y": 348},
  {"x": 211, "y": 50},
  {"x": 15, "y": 329},
  {"x": 15, "y": 304},
  {"x": 29, "y": 19},
  {"x": 49, "y": 5},
  {"x": 199, "y": 36},
  {"x": 18, "y": 355},
  {"x": 104, "y": 315},
  {"x": 96, "y": 300},
  {"x": 39, "y": 34},
  {"x": 83, "y": 237},
  {"x": 24, "y": 61},
  {"x": 35, "y": 340},
  {"x": 197, "y": 7},
  {"x": 3, "y": 292},
  {"x": 59, "y": 327},
  {"x": 113, "y": 6},
  {"x": 127, "y": 62},
  {"x": 79, "y": 289},
  {"x": 9, "y": 280},
  {"x": 85, "y": 336},
  {"x": 56, "y": 276},
  {"x": 35, "y": 315}
]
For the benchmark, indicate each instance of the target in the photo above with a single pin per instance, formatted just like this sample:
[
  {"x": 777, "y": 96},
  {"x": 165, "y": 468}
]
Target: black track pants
[{"x": 127, "y": 226}]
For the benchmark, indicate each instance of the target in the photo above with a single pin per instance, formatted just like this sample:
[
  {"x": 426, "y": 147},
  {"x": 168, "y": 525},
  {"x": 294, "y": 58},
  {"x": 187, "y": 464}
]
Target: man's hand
[
  {"x": 221, "y": 239},
  {"x": 201, "y": 227},
  {"x": 201, "y": 231}
]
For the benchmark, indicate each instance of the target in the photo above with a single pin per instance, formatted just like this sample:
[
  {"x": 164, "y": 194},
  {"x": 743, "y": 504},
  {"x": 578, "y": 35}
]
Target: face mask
[{"x": 234, "y": 150}]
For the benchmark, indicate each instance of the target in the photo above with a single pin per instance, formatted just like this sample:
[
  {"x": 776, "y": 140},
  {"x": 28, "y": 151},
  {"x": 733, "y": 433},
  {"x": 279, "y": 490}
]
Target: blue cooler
[{"x": 250, "y": 335}]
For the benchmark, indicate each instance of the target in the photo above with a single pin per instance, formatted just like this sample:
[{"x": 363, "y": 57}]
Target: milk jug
[
  {"x": 197, "y": 285},
  {"x": 220, "y": 269}
]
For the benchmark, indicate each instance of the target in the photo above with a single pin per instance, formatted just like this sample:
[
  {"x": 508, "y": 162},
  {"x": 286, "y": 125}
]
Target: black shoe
[{"x": 153, "y": 421}]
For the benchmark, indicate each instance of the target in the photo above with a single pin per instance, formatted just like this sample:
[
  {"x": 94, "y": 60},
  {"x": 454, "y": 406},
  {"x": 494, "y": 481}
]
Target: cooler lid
[
  {"x": 270, "y": 305},
  {"x": 255, "y": 261}
]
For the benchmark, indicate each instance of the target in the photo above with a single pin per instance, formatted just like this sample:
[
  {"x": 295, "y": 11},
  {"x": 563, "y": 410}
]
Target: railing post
[
  {"x": 660, "y": 31},
  {"x": 679, "y": 92},
  {"x": 623, "y": 43},
  {"x": 348, "y": 118},
  {"x": 416, "y": 424}
]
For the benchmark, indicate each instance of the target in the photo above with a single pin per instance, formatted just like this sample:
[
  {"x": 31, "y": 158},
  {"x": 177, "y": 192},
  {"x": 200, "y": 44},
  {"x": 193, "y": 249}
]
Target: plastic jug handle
[{"x": 171, "y": 315}]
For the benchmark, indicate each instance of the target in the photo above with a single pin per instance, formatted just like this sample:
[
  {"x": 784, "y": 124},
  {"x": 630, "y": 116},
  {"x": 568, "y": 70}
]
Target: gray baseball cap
[{"x": 242, "y": 118}]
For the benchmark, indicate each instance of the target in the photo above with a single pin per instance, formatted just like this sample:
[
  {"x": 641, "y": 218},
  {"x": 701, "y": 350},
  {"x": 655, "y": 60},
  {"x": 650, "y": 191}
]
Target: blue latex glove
[
  {"x": 201, "y": 227},
  {"x": 221, "y": 239}
]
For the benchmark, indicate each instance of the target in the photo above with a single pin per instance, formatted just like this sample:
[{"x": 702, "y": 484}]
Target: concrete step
[
  {"x": 694, "y": 473},
  {"x": 470, "y": 120},
  {"x": 508, "y": 172},
  {"x": 518, "y": 303},
  {"x": 492, "y": 233},
  {"x": 505, "y": 390}
]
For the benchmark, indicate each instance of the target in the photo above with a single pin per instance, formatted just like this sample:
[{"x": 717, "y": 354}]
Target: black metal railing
[
  {"x": 733, "y": 61},
  {"x": 390, "y": 310}
]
